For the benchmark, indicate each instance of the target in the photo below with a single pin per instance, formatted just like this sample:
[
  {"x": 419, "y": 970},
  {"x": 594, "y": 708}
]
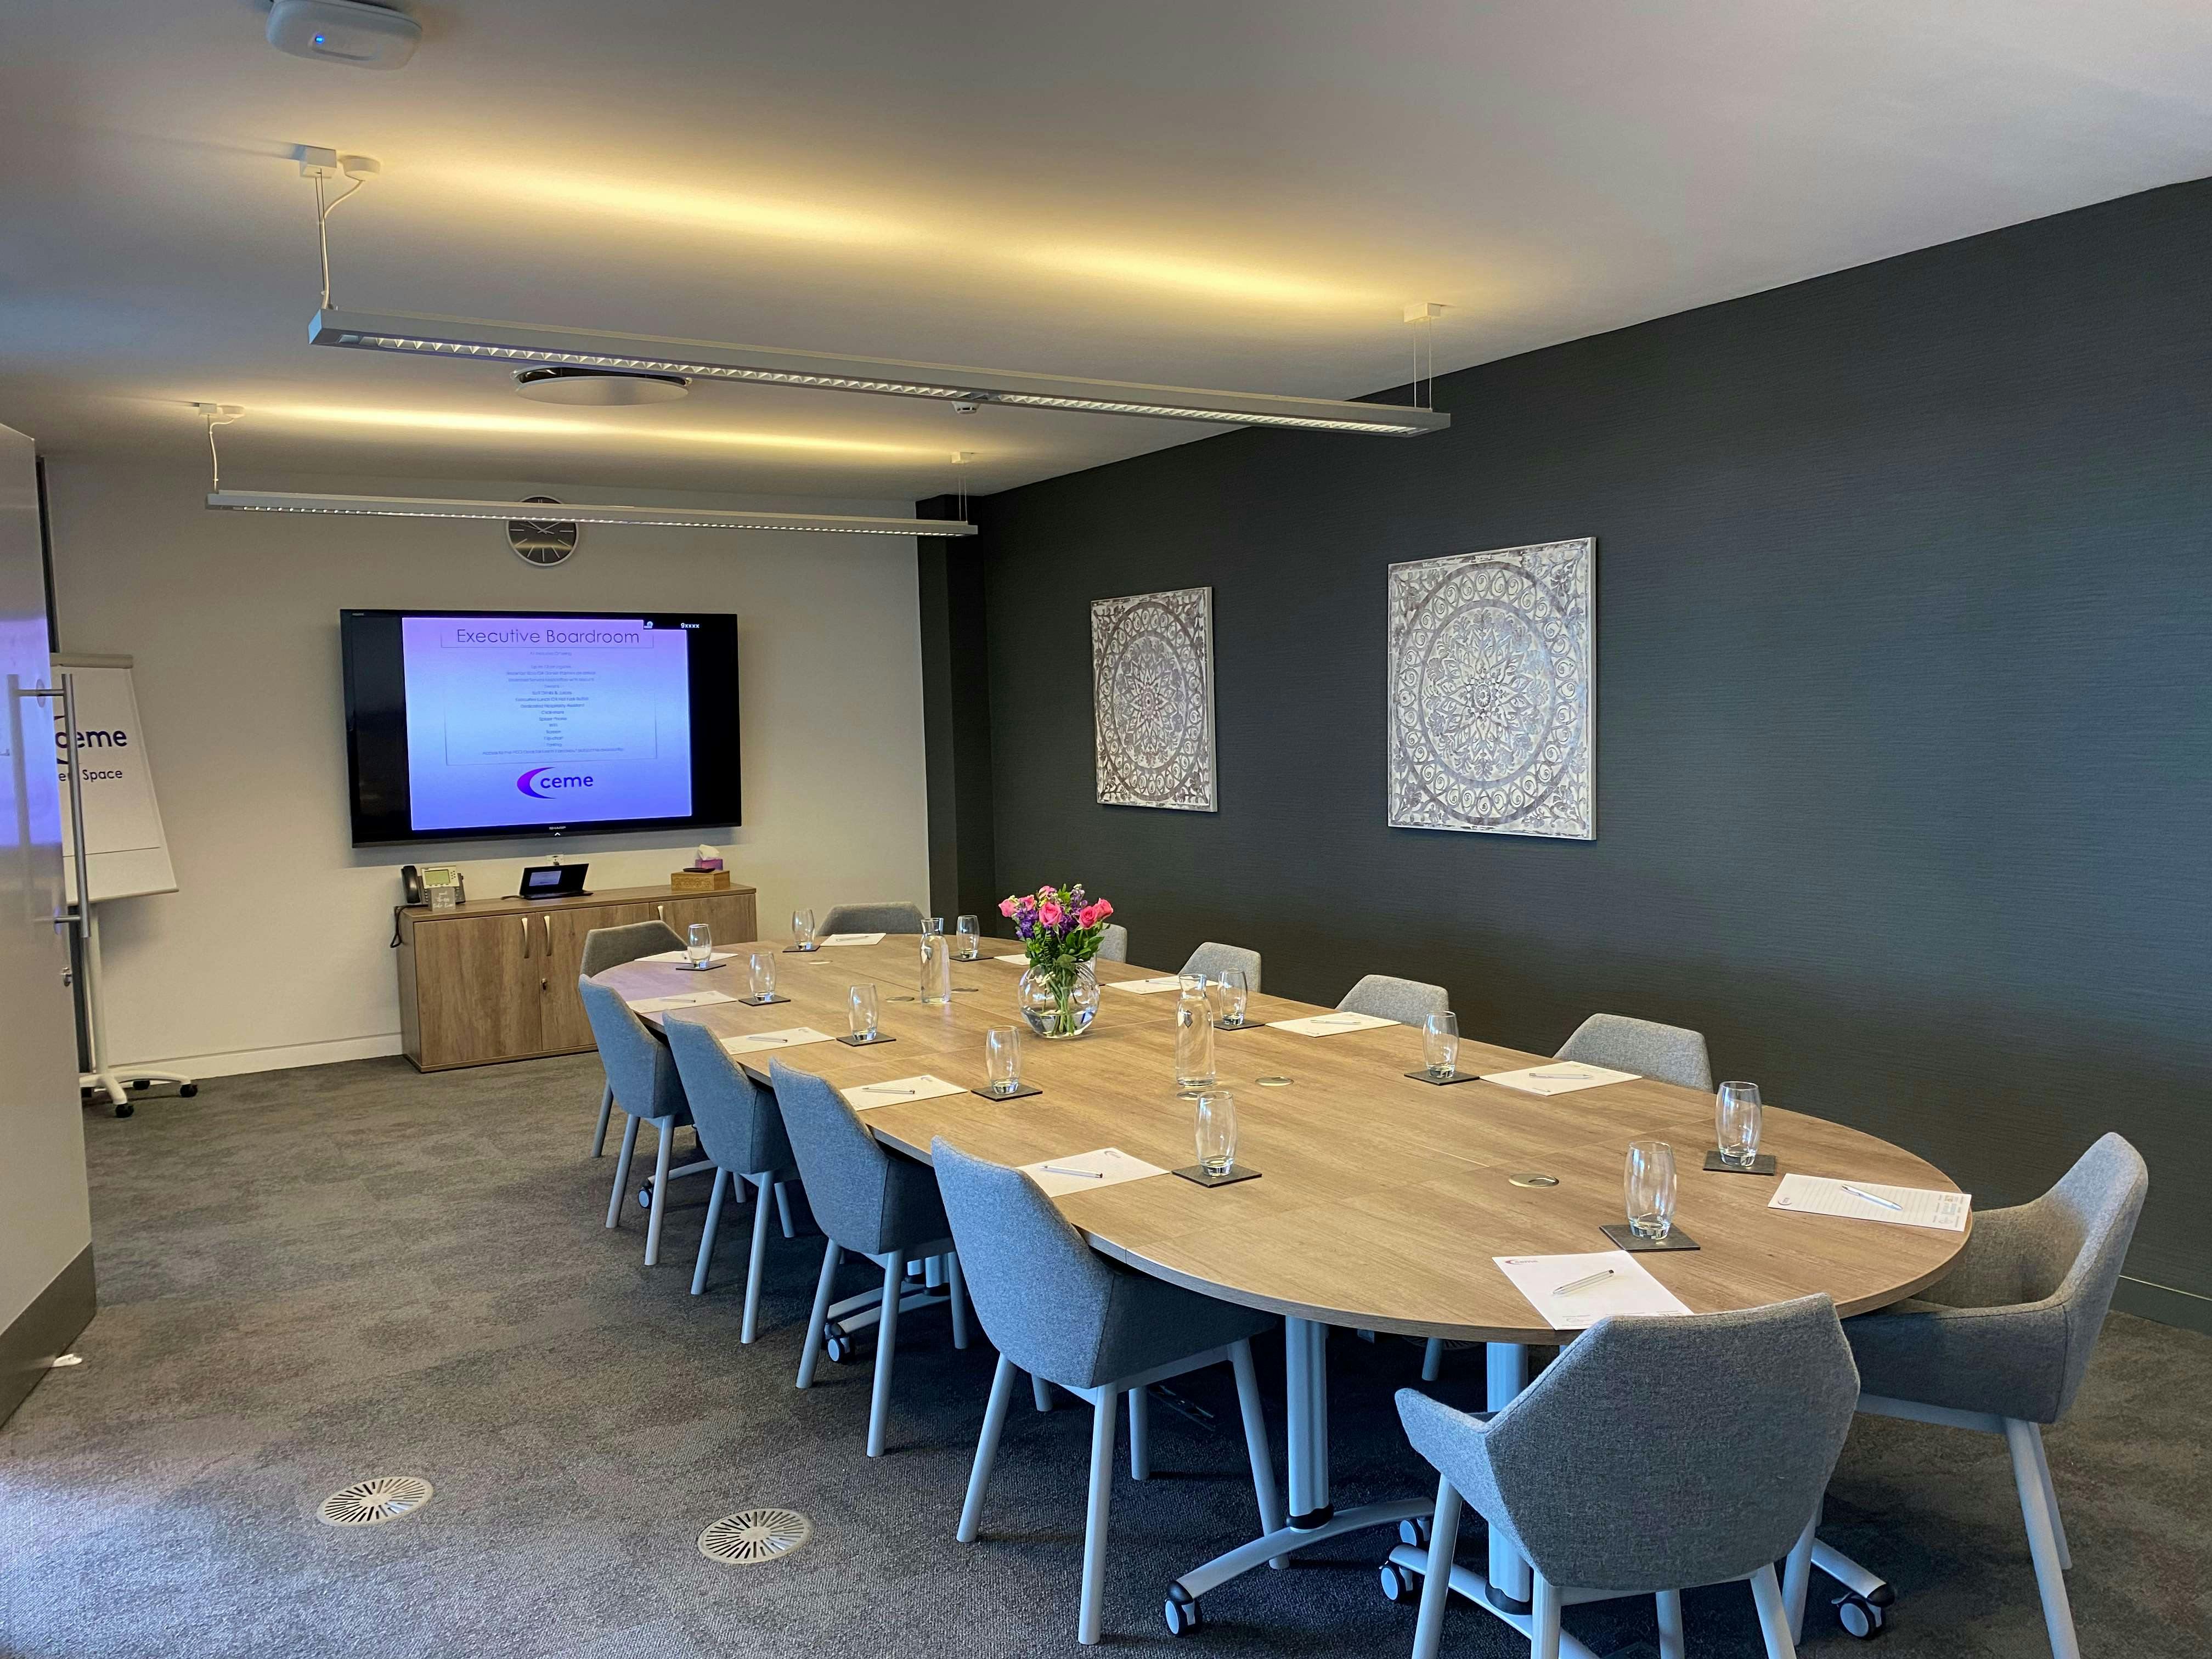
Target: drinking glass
[
  {"x": 1649, "y": 1187},
  {"x": 1216, "y": 1113},
  {"x": 1232, "y": 989},
  {"x": 763, "y": 967},
  {"x": 971, "y": 935},
  {"x": 861, "y": 1012},
  {"x": 1002, "y": 1059},
  {"x": 936, "y": 988},
  {"x": 802, "y": 929},
  {"x": 1193, "y": 1035},
  {"x": 933, "y": 925},
  {"x": 698, "y": 943},
  {"x": 1737, "y": 1107},
  {"x": 1440, "y": 1044}
]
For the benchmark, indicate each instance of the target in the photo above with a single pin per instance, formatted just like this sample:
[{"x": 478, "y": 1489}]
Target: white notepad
[
  {"x": 1331, "y": 1024},
  {"x": 761, "y": 1042},
  {"x": 901, "y": 1091},
  {"x": 688, "y": 999},
  {"x": 1626, "y": 1288},
  {"x": 1022, "y": 959},
  {"x": 1901, "y": 1206},
  {"x": 679, "y": 955},
  {"x": 1144, "y": 987},
  {"x": 853, "y": 938},
  {"x": 1108, "y": 1166},
  {"x": 1560, "y": 1078}
]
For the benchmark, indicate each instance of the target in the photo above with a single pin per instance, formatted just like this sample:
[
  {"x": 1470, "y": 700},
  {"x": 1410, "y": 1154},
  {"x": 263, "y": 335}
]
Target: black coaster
[
  {"x": 1762, "y": 1164},
  {"x": 802, "y": 949},
  {"x": 762, "y": 1002},
  {"x": 1021, "y": 1093},
  {"x": 972, "y": 956},
  {"x": 1197, "y": 1175},
  {"x": 697, "y": 968},
  {"x": 1240, "y": 1025},
  {"x": 1676, "y": 1239},
  {"x": 865, "y": 1041},
  {"x": 1444, "y": 1082}
]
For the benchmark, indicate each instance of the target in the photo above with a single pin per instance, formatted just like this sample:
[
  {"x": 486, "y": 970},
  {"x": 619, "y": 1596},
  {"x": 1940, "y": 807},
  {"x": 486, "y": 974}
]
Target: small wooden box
[{"x": 699, "y": 881}]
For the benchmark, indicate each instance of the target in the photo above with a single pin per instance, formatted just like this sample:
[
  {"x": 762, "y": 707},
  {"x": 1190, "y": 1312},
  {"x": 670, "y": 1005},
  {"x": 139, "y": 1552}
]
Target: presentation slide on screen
[{"x": 551, "y": 719}]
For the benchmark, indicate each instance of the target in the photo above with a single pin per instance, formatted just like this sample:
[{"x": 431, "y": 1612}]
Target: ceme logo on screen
[{"x": 544, "y": 782}]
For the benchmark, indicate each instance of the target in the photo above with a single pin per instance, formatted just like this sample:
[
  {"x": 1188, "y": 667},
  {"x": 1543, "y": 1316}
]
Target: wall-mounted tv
[{"x": 474, "y": 723}]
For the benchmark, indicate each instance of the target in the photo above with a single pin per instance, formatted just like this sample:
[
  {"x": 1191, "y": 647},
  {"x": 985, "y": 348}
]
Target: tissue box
[{"x": 699, "y": 881}]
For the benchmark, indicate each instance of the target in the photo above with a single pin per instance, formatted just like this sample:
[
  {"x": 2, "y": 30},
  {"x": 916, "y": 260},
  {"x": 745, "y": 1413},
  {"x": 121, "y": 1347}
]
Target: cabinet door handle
[
  {"x": 546, "y": 922},
  {"x": 661, "y": 911},
  {"x": 526, "y": 939}
]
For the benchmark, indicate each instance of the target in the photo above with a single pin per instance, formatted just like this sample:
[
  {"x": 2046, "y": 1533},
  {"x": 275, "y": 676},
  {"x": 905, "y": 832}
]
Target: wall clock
[{"x": 544, "y": 542}]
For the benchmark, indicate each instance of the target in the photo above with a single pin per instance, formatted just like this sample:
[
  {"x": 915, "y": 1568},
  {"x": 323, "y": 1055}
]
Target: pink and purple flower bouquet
[{"x": 1060, "y": 928}]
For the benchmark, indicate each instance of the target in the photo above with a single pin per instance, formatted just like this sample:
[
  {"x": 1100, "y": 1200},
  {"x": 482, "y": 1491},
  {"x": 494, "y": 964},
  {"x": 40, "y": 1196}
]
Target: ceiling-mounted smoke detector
[
  {"x": 599, "y": 388},
  {"x": 350, "y": 32}
]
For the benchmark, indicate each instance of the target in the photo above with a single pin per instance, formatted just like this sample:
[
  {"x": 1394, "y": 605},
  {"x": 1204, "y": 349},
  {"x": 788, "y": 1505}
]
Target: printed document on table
[
  {"x": 900, "y": 1091},
  {"x": 853, "y": 938},
  {"x": 1330, "y": 1025},
  {"x": 1625, "y": 1287},
  {"x": 679, "y": 955},
  {"x": 688, "y": 999},
  {"x": 763, "y": 1042},
  {"x": 1023, "y": 959},
  {"x": 1144, "y": 987},
  {"x": 1901, "y": 1206},
  {"x": 1080, "y": 1172},
  {"x": 1561, "y": 1077}
]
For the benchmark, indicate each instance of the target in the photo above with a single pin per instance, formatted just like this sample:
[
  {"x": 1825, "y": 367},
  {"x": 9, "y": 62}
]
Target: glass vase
[{"x": 1058, "y": 1004}]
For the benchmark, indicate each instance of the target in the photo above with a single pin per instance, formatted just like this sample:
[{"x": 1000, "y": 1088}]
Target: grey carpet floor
[{"x": 311, "y": 1277}]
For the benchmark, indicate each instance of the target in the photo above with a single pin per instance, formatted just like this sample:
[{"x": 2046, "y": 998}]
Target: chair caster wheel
[
  {"x": 1397, "y": 1583},
  {"x": 126, "y": 1109},
  {"x": 187, "y": 1091},
  {"x": 138, "y": 1083},
  {"x": 1183, "y": 1618},
  {"x": 1859, "y": 1617},
  {"x": 645, "y": 1198},
  {"x": 837, "y": 1348},
  {"x": 1413, "y": 1532}
]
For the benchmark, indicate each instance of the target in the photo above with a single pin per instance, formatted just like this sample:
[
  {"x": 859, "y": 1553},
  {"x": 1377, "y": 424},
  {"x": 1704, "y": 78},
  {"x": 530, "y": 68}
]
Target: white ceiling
[{"x": 1193, "y": 191}]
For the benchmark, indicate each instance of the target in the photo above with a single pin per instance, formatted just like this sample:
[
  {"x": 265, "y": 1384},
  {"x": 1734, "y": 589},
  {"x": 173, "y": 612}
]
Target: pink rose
[
  {"x": 1006, "y": 906},
  {"x": 1101, "y": 910},
  {"x": 1050, "y": 914}
]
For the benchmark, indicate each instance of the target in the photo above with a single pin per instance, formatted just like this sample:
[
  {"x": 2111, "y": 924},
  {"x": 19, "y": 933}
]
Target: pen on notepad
[
  {"x": 1553, "y": 1071},
  {"x": 1870, "y": 1198},
  {"x": 1584, "y": 1283},
  {"x": 1088, "y": 1175},
  {"x": 878, "y": 1089}
]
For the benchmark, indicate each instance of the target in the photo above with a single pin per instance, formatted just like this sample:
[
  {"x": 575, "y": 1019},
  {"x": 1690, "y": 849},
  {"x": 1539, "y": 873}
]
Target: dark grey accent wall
[
  {"x": 955, "y": 716},
  {"x": 1905, "y": 760}
]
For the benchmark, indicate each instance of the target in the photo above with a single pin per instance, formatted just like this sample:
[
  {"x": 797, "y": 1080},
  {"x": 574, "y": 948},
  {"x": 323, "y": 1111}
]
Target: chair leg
[
  {"x": 956, "y": 1286},
  {"x": 879, "y": 1405},
  {"x": 987, "y": 1449},
  {"x": 1432, "y": 1359},
  {"x": 2051, "y": 1497},
  {"x": 1257, "y": 1446},
  {"x": 783, "y": 1208},
  {"x": 1544, "y": 1643},
  {"x": 745, "y": 1332},
  {"x": 1797, "y": 1576},
  {"x": 812, "y": 1350},
  {"x": 706, "y": 1236},
  {"x": 2037, "y": 1509},
  {"x": 1670, "y": 1624},
  {"x": 1773, "y": 1616},
  {"x": 1041, "y": 1391},
  {"x": 661, "y": 1161},
  {"x": 1140, "y": 1434},
  {"x": 1435, "y": 1581},
  {"x": 621, "y": 1170},
  {"x": 1088, "y": 1615},
  {"x": 606, "y": 1111}
]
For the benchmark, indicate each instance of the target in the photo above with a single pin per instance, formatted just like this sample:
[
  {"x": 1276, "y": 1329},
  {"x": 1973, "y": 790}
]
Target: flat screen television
[{"x": 475, "y": 723}]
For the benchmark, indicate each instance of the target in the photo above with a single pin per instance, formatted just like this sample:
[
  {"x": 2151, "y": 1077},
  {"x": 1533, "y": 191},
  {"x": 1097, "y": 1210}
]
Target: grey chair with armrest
[
  {"x": 870, "y": 918},
  {"x": 1061, "y": 1312},
  {"x": 2000, "y": 1345},
  {"x": 1652, "y": 1456},
  {"x": 646, "y": 1087},
  {"x": 1666, "y": 1054},
  {"x": 1211, "y": 959},
  {"x": 875, "y": 1204},
  {"x": 610, "y": 947},
  {"x": 1114, "y": 943},
  {"x": 1408, "y": 1001},
  {"x": 741, "y": 1129}
]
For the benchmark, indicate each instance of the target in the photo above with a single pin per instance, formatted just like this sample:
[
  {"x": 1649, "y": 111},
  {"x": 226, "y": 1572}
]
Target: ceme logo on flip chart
[{"x": 545, "y": 782}]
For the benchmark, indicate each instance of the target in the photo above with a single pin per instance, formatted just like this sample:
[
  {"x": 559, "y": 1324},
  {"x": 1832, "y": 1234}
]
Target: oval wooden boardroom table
[{"x": 1382, "y": 1200}]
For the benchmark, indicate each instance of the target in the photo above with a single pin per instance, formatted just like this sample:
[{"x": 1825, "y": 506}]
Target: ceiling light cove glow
[
  {"x": 712, "y": 210},
  {"x": 554, "y": 428},
  {"x": 1196, "y": 276}
]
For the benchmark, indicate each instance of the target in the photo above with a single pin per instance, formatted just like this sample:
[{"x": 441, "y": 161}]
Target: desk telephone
[{"x": 415, "y": 889}]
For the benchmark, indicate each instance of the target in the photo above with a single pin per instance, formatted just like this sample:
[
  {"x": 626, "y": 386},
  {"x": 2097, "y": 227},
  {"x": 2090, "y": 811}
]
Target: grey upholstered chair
[
  {"x": 875, "y": 1204},
  {"x": 646, "y": 1088},
  {"x": 2000, "y": 1345},
  {"x": 1670, "y": 1054},
  {"x": 1114, "y": 943},
  {"x": 610, "y": 947},
  {"x": 741, "y": 1130},
  {"x": 1653, "y": 1455},
  {"x": 870, "y": 918},
  {"x": 1061, "y": 1312},
  {"x": 1408, "y": 1001},
  {"x": 1211, "y": 959}
]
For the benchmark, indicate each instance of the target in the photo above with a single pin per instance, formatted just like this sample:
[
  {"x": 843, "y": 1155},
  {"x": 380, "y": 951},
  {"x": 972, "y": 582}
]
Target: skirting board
[
  {"x": 237, "y": 1062},
  {"x": 44, "y": 1331},
  {"x": 2164, "y": 1304}
]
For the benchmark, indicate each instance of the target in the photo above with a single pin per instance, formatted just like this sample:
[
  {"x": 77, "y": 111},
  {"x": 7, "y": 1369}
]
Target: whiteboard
[{"x": 124, "y": 841}]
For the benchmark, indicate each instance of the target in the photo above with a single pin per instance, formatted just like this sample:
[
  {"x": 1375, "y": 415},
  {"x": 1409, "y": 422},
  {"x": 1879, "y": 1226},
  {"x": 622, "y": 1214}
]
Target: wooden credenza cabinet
[{"x": 496, "y": 978}]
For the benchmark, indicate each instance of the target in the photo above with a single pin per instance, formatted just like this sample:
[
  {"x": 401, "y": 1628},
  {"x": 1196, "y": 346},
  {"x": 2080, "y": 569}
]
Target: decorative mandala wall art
[
  {"x": 1152, "y": 670},
  {"x": 1493, "y": 691}
]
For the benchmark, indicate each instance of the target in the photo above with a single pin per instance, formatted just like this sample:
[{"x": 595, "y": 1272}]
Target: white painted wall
[{"x": 273, "y": 952}]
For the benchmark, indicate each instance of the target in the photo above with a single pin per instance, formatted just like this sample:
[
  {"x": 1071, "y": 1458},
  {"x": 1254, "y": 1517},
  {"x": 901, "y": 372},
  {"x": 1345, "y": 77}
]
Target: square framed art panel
[
  {"x": 1152, "y": 674},
  {"x": 1492, "y": 715}
]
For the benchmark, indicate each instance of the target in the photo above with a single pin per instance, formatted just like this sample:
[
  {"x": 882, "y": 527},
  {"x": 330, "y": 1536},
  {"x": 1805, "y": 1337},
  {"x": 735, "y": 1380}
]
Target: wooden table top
[{"x": 1381, "y": 1199}]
